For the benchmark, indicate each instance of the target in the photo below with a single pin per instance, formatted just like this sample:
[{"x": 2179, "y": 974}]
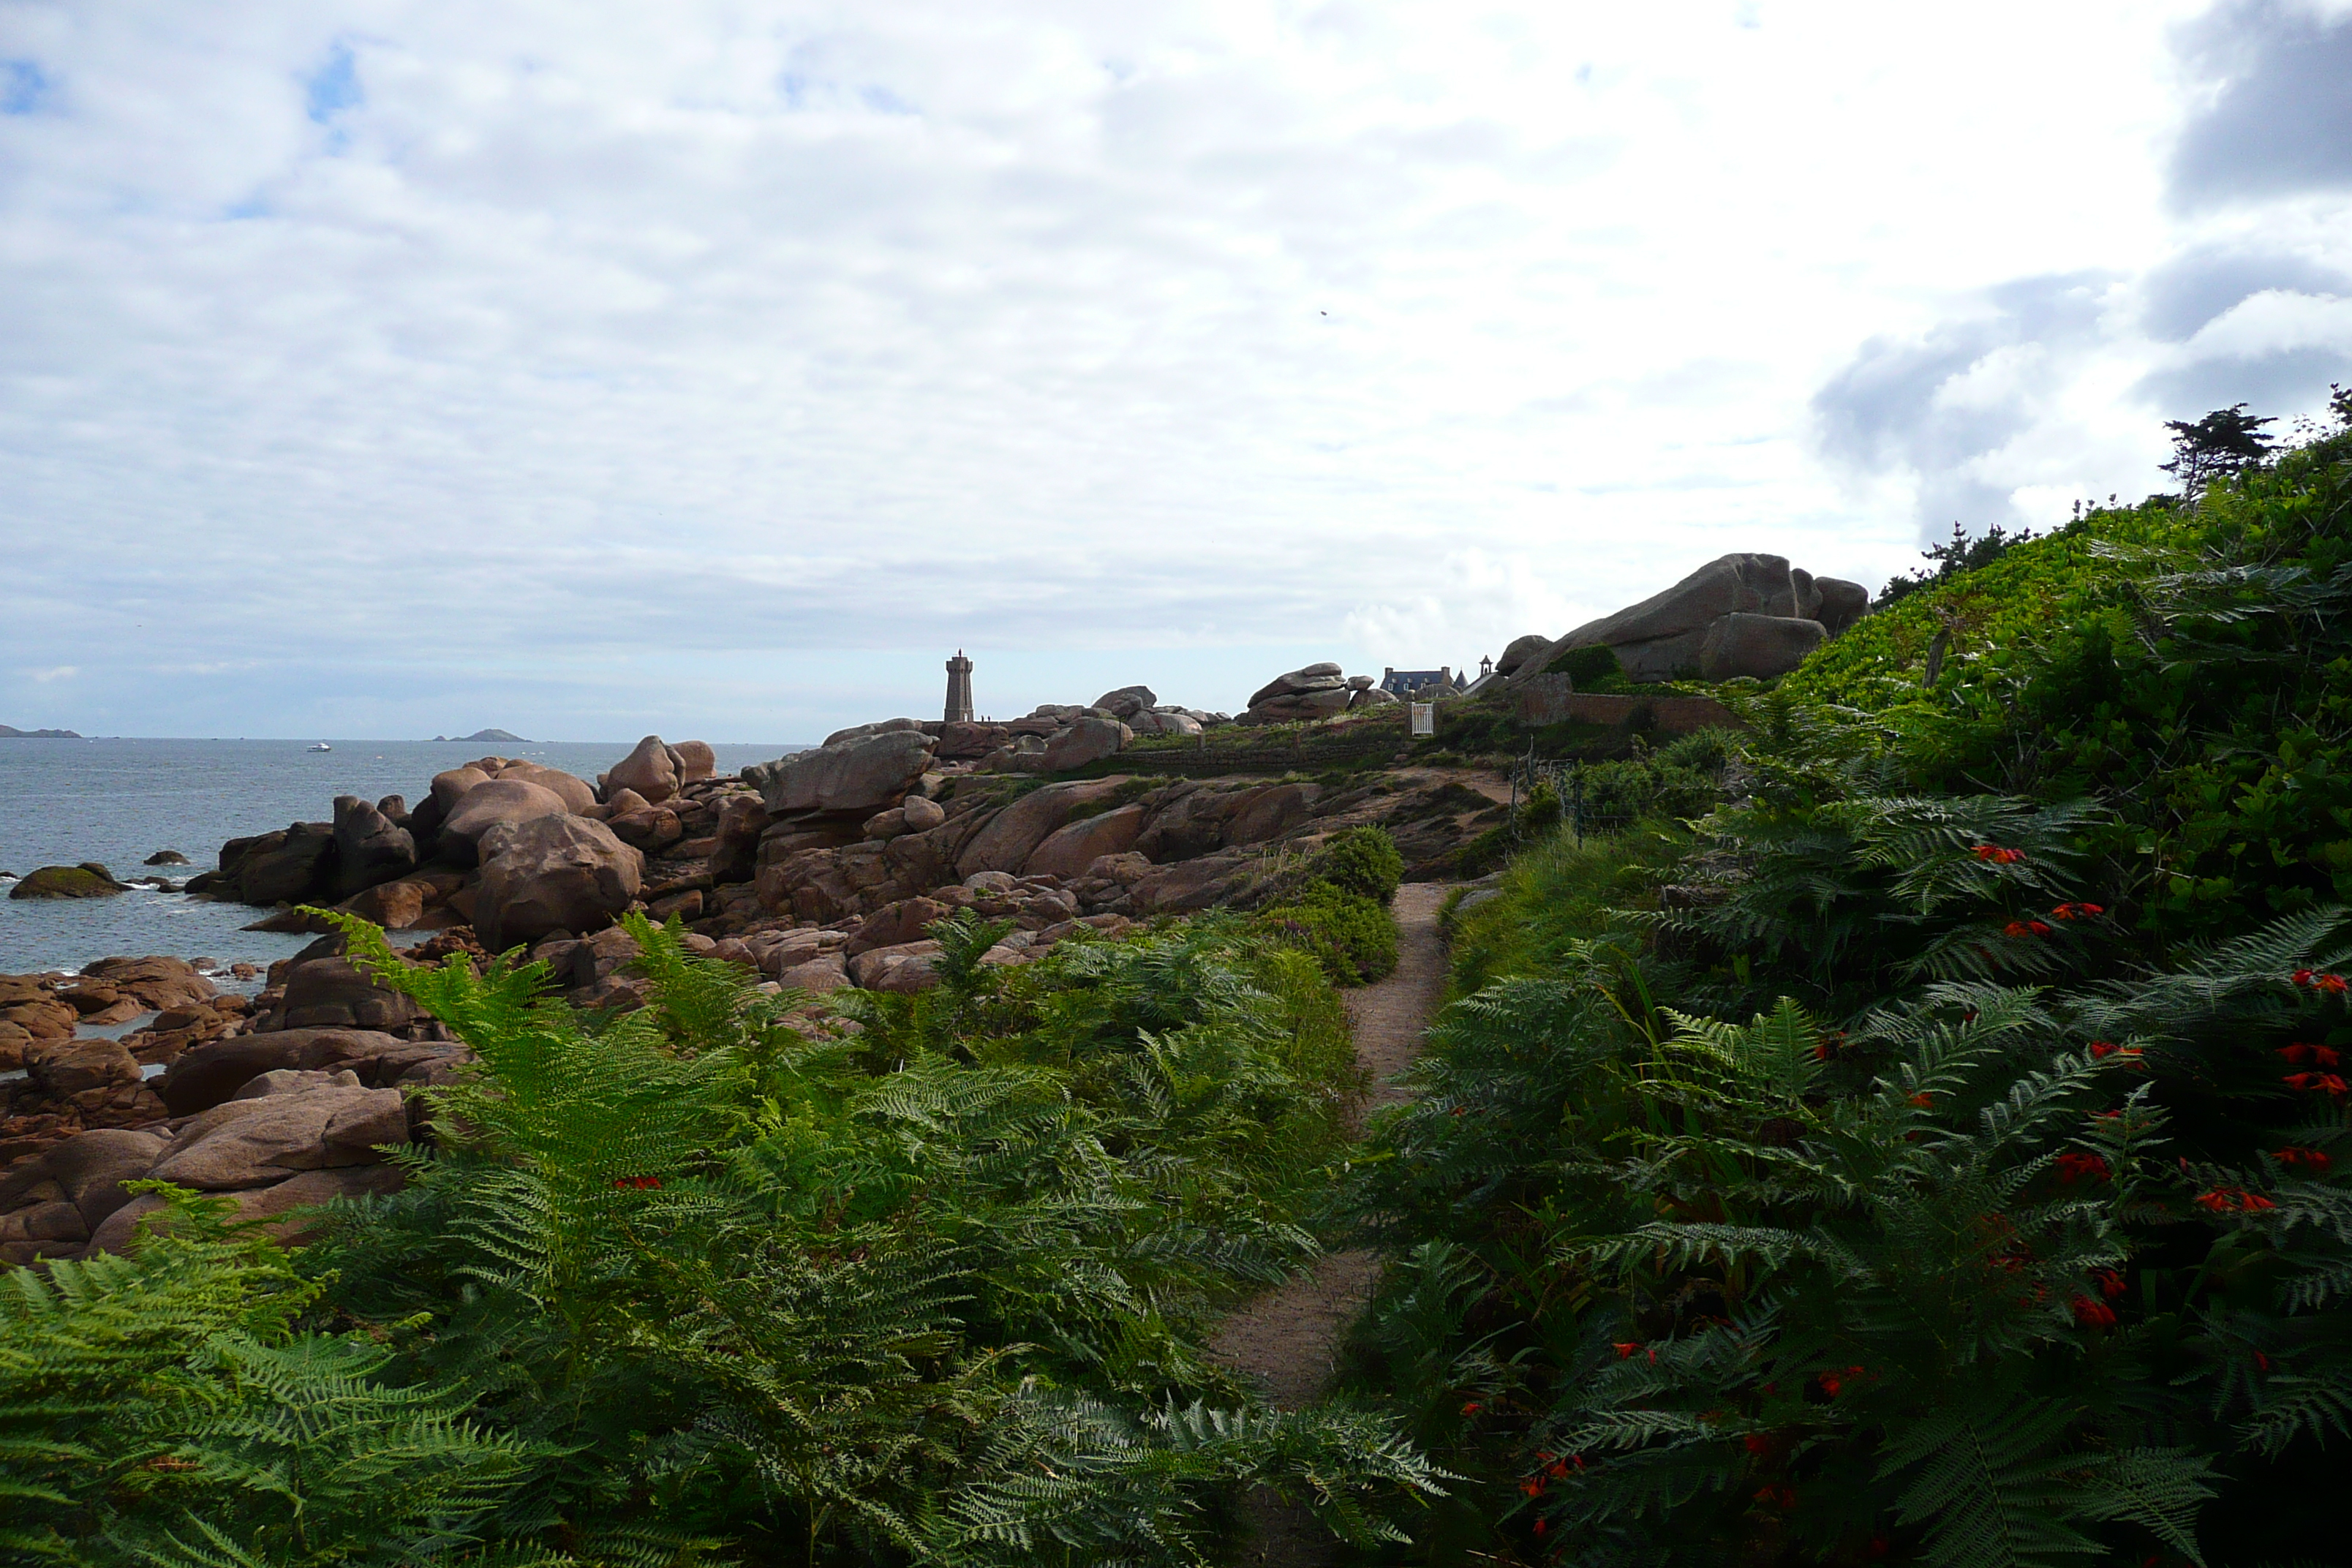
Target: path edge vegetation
[{"x": 1929, "y": 1151}]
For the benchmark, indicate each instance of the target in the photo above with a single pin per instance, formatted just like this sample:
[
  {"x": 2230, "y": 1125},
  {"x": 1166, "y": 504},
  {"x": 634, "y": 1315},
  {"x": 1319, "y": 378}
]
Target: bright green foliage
[
  {"x": 693, "y": 1284},
  {"x": 166, "y": 1409},
  {"x": 932, "y": 1291},
  {"x": 1339, "y": 912},
  {"x": 1957, "y": 1227},
  {"x": 1363, "y": 861},
  {"x": 1935, "y": 1160},
  {"x": 1353, "y": 938},
  {"x": 2192, "y": 668}
]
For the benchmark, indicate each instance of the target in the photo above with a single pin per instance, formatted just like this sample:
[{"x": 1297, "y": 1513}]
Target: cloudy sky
[{"x": 373, "y": 369}]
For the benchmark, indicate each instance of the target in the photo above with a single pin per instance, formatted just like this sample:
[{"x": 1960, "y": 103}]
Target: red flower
[
  {"x": 2311, "y": 1157},
  {"x": 1821, "y": 1052},
  {"x": 2092, "y": 1314},
  {"x": 2110, "y": 1283},
  {"x": 2326, "y": 1083},
  {"x": 2074, "y": 1166},
  {"x": 1624, "y": 1348},
  {"x": 2261, "y": 1361},
  {"x": 1540, "y": 1526},
  {"x": 2103, "y": 1048},
  {"x": 2319, "y": 1055},
  {"x": 641, "y": 1183},
  {"x": 2224, "y": 1200},
  {"x": 2319, "y": 981},
  {"x": 1923, "y": 1100},
  {"x": 1533, "y": 1486},
  {"x": 1993, "y": 855},
  {"x": 2077, "y": 911},
  {"x": 1757, "y": 1443},
  {"x": 2302, "y": 977}
]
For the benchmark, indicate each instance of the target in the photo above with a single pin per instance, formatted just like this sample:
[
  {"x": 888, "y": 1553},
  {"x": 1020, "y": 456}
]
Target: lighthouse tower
[{"x": 959, "y": 690}]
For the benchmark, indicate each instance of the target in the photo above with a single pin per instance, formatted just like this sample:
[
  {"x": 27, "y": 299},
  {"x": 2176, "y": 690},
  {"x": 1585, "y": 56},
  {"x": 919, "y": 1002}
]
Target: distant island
[
  {"x": 487, "y": 736},
  {"x": 8, "y": 732}
]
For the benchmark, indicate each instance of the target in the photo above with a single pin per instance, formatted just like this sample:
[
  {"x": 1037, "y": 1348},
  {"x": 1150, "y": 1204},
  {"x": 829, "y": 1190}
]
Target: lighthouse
[{"x": 959, "y": 690}]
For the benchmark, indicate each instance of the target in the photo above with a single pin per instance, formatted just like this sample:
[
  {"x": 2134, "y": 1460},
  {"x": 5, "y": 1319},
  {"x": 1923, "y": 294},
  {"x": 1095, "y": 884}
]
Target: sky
[{"x": 374, "y": 369}]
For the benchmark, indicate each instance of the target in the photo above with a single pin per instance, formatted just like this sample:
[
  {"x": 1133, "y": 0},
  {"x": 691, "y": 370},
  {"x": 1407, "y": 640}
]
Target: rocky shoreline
[{"x": 818, "y": 871}]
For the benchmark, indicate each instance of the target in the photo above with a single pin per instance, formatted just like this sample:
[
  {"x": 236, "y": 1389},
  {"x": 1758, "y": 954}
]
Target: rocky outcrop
[
  {"x": 1316, "y": 692},
  {"x": 286, "y": 866},
  {"x": 551, "y": 873},
  {"x": 88, "y": 881},
  {"x": 1086, "y": 741},
  {"x": 863, "y": 773},
  {"x": 209, "y": 1074},
  {"x": 648, "y": 770},
  {"x": 1758, "y": 646},
  {"x": 332, "y": 993},
  {"x": 280, "y": 1123},
  {"x": 369, "y": 846},
  {"x": 1070, "y": 849},
  {"x": 1008, "y": 838},
  {"x": 494, "y": 802},
  {"x": 1520, "y": 650},
  {"x": 1669, "y": 635}
]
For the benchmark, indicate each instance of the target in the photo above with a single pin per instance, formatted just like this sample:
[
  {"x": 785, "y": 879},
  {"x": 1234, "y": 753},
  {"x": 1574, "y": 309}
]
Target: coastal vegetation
[
  {"x": 704, "y": 1281},
  {"x": 1927, "y": 1154},
  {"x": 1902, "y": 1129}
]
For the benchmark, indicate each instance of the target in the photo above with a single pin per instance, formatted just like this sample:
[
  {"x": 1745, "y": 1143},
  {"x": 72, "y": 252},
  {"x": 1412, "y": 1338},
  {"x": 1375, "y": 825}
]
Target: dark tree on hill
[
  {"x": 1961, "y": 555},
  {"x": 2226, "y": 441}
]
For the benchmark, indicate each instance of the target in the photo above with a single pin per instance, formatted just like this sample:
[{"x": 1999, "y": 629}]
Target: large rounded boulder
[
  {"x": 88, "y": 881},
  {"x": 496, "y": 803},
  {"x": 579, "y": 796},
  {"x": 649, "y": 770},
  {"x": 552, "y": 873},
  {"x": 862, "y": 774},
  {"x": 369, "y": 846}
]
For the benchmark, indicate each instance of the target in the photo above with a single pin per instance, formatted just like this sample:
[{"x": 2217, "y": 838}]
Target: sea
[{"x": 117, "y": 802}]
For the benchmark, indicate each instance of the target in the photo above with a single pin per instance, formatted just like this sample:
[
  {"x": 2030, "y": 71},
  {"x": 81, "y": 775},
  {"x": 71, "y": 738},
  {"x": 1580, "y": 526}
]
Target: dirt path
[{"x": 1285, "y": 1340}]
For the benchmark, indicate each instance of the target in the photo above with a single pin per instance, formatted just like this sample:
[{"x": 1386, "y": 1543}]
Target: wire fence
[
  {"x": 1564, "y": 777},
  {"x": 1300, "y": 748}
]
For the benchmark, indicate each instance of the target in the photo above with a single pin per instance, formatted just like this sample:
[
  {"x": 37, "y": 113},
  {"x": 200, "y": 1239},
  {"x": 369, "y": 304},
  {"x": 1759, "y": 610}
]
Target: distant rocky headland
[
  {"x": 10, "y": 732},
  {"x": 486, "y": 737}
]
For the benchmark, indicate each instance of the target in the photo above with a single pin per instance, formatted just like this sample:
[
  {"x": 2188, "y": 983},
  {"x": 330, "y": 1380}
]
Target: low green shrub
[
  {"x": 1353, "y": 936},
  {"x": 1363, "y": 861},
  {"x": 1541, "y": 812}
]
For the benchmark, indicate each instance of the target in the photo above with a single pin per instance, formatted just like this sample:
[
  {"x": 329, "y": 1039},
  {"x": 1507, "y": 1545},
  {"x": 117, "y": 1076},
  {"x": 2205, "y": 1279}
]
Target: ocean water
[{"x": 118, "y": 801}]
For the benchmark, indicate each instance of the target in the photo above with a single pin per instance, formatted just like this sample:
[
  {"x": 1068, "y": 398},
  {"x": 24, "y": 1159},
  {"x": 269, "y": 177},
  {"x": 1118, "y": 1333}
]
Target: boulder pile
[
  {"x": 1059, "y": 736},
  {"x": 1740, "y": 615},
  {"x": 503, "y": 845},
  {"x": 818, "y": 871},
  {"x": 1317, "y": 693}
]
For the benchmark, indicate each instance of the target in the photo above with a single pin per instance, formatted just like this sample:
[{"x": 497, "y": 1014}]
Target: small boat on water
[{"x": 323, "y": 746}]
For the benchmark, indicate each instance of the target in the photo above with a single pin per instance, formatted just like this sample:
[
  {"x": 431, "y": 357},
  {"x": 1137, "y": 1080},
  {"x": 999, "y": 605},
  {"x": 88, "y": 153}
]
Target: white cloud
[{"x": 611, "y": 368}]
